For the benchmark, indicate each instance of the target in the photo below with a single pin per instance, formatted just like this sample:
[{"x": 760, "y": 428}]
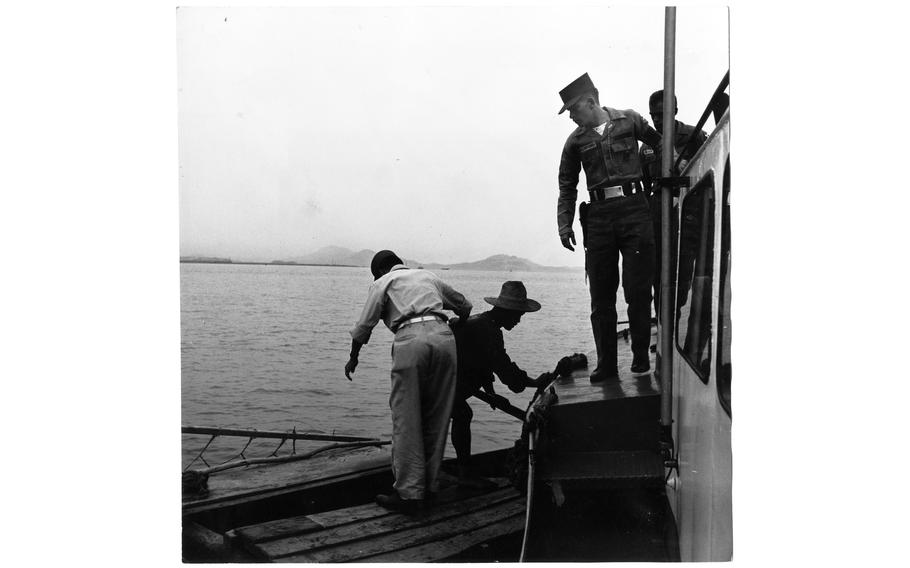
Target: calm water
[{"x": 264, "y": 347}]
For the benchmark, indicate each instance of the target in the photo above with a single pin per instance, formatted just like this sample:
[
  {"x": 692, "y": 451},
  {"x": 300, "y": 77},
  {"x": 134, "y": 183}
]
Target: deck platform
[
  {"x": 459, "y": 520},
  {"x": 604, "y": 433}
]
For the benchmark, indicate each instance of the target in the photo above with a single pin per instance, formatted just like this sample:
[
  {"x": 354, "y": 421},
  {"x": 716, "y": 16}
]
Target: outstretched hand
[
  {"x": 349, "y": 367},
  {"x": 568, "y": 240},
  {"x": 544, "y": 379}
]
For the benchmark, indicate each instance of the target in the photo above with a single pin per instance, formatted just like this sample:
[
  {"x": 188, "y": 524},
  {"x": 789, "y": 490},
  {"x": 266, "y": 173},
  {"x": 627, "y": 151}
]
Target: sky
[{"x": 432, "y": 131}]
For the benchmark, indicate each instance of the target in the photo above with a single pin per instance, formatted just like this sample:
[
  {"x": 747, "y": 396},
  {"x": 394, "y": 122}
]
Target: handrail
[{"x": 704, "y": 117}]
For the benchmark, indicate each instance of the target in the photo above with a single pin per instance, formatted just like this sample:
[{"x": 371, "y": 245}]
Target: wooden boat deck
[{"x": 460, "y": 519}]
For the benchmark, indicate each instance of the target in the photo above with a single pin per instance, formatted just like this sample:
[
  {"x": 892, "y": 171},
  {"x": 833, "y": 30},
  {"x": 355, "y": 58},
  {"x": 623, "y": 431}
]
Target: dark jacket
[
  {"x": 651, "y": 156},
  {"x": 481, "y": 353},
  {"x": 611, "y": 159}
]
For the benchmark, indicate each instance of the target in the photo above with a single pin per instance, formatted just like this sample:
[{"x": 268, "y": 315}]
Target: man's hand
[
  {"x": 568, "y": 240},
  {"x": 350, "y": 366},
  {"x": 543, "y": 380}
]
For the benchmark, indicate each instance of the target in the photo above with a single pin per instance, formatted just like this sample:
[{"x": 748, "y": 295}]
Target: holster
[{"x": 583, "y": 219}]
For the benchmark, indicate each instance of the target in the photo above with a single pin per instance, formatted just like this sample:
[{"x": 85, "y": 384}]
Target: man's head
[
  {"x": 656, "y": 108},
  {"x": 382, "y": 263},
  {"x": 581, "y": 99},
  {"x": 512, "y": 303},
  {"x": 507, "y": 318}
]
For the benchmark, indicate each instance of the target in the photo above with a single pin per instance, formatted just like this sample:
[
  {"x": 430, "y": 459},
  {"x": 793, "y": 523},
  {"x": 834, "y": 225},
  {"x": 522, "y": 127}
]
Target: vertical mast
[{"x": 666, "y": 199}]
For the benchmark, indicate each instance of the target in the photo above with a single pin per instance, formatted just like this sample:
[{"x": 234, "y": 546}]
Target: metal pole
[{"x": 666, "y": 200}]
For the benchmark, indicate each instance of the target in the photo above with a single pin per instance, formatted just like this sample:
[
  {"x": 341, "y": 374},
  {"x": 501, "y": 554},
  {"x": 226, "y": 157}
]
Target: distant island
[
  {"x": 206, "y": 259},
  {"x": 335, "y": 256},
  {"x": 340, "y": 256}
]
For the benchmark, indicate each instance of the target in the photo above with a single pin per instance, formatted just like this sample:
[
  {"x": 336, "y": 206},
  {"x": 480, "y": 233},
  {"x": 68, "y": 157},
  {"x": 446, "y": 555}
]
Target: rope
[
  {"x": 240, "y": 458},
  {"x": 532, "y": 442},
  {"x": 199, "y": 456},
  {"x": 281, "y": 443}
]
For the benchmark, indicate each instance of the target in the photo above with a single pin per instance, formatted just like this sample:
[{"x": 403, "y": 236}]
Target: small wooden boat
[{"x": 281, "y": 513}]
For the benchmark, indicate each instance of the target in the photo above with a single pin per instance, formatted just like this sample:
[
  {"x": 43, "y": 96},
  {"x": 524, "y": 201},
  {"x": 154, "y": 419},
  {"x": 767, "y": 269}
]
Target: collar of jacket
[{"x": 612, "y": 114}]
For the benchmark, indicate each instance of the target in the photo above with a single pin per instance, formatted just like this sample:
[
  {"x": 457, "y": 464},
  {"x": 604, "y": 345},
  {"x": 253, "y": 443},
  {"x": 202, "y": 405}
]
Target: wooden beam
[{"x": 276, "y": 435}]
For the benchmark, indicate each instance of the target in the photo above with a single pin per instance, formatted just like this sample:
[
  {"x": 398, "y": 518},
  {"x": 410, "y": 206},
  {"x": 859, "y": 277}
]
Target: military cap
[{"x": 575, "y": 90}]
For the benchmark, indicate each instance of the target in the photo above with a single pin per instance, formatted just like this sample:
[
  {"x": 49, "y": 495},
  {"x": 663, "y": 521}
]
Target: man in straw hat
[
  {"x": 605, "y": 144},
  {"x": 411, "y": 302},
  {"x": 481, "y": 353}
]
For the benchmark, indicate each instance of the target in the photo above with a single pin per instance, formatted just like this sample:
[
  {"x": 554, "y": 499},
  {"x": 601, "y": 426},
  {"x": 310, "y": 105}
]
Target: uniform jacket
[
  {"x": 610, "y": 159},
  {"x": 650, "y": 156}
]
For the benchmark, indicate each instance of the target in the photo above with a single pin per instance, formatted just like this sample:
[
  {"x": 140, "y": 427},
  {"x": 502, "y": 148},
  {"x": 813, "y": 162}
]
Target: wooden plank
[
  {"x": 440, "y": 550},
  {"x": 281, "y": 528},
  {"x": 233, "y": 488},
  {"x": 387, "y": 523},
  {"x": 199, "y": 541},
  {"x": 396, "y": 531}
]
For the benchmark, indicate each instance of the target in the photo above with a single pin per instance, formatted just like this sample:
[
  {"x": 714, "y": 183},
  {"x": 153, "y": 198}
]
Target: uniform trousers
[
  {"x": 423, "y": 389},
  {"x": 621, "y": 225}
]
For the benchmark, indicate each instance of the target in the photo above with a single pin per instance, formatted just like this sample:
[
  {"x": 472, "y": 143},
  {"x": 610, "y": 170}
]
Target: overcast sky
[{"x": 431, "y": 131}]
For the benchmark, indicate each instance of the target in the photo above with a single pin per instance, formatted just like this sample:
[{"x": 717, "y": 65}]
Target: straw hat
[{"x": 513, "y": 296}]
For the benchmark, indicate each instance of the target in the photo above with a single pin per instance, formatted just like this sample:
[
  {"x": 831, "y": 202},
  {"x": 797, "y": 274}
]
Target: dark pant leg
[
  {"x": 635, "y": 237},
  {"x": 461, "y": 431},
  {"x": 602, "y": 266}
]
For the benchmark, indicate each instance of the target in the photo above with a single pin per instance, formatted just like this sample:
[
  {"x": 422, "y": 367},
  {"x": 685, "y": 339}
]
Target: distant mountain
[
  {"x": 505, "y": 263},
  {"x": 205, "y": 259},
  {"x": 340, "y": 256}
]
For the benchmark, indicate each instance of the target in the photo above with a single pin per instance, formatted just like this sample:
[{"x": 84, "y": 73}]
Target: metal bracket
[{"x": 673, "y": 183}]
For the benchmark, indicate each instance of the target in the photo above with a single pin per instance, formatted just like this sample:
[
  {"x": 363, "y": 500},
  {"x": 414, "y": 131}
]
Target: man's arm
[
  {"x": 644, "y": 132},
  {"x": 351, "y": 365},
  {"x": 454, "y": 300},
  {"x": 569, "y": 167},
  {"x": 508, "y": 372},
  {"x": 360, "y": 334}
]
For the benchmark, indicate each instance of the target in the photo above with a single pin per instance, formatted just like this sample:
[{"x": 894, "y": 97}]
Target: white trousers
[{"x": 423, "y": 390}]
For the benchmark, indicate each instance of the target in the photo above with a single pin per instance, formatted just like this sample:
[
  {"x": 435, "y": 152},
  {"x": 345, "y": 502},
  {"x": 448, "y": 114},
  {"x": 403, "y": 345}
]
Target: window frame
[{"x": 706, "y": 183}]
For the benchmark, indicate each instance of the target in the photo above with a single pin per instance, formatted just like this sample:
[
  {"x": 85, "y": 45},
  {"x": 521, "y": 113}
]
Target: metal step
[{"x": 614, "y": 468}]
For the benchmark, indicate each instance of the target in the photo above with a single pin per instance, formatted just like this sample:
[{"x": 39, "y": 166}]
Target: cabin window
[
  {"x": 694, "y": 281},
  {"x": 724, "y": 329}
]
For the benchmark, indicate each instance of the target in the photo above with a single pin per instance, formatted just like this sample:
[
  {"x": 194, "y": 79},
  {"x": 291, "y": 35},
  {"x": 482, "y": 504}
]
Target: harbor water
[{"x": 264, "y": 346}]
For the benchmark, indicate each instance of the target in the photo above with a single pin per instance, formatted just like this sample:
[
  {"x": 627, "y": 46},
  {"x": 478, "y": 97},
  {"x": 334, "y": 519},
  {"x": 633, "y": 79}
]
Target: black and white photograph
[
  {"x": 413, "y": 281},
  {"x": 539, "y": 219}
]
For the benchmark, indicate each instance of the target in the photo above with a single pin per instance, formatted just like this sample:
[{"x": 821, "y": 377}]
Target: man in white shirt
[{"x": 411, "y": 302}]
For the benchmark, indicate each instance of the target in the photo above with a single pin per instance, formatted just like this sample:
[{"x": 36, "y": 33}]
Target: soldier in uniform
[
  {"x": 651, "y": 170},
  {"x": 605, "y": 144}
]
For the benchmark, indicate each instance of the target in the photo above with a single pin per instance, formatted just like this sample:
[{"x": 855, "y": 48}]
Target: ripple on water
[{"x": 265, "y": 347}]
